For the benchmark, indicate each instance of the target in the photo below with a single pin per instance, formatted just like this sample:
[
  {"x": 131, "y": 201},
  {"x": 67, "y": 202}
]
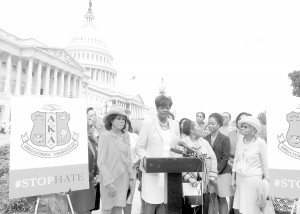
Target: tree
[{"x": 295, "y": 77}]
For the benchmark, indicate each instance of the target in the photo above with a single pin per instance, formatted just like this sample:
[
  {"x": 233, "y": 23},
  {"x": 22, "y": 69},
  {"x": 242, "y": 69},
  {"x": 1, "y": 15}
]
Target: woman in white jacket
[{"x": 156, "y": 137}]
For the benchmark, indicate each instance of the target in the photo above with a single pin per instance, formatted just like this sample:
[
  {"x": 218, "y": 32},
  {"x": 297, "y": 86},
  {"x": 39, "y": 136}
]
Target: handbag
[
  {"x": 269, "y": 208},
  {"x": 191, "y": 194}
]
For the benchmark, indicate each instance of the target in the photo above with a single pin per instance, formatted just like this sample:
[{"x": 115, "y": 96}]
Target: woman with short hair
[
  {"x": 250, "y": 167},
  {"x": 114, "y": 161},
  {"x": 156, "y": 137},
  {"x": 193, "y": 138},
  {"x": 221, "y": 146}
]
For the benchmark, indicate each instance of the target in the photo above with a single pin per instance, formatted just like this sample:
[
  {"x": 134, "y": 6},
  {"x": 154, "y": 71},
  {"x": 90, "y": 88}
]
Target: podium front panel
[{"x": 172, "y": 165}]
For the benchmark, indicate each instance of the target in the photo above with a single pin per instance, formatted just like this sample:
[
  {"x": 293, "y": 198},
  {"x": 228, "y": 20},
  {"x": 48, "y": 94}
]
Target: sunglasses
[{"x": 244, "y": 127}]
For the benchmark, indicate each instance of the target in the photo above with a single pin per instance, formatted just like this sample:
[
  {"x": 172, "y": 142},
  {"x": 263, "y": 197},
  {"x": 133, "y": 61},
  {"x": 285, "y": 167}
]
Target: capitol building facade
[{"x": 81, "y": 70}]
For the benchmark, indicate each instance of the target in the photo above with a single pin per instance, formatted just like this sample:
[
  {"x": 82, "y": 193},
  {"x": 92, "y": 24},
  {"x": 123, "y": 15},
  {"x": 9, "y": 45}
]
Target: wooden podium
[{"x": 174, "y": 168}]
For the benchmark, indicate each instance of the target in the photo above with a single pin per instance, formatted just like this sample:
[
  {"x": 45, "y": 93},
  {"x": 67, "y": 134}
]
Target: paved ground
[{"x": 136, "y": 205}]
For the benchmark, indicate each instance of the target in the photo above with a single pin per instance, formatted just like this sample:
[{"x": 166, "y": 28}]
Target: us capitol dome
[
  {"x": 82, "y": 70},
  {"x": 87, "y": 47}
]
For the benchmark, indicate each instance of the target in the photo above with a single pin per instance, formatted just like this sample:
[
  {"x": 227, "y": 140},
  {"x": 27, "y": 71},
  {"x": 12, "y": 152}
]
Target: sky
[{"x": 214, "y": 55}]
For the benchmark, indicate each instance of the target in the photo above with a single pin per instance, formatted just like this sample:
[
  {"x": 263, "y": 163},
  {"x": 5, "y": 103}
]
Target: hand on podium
[{"x": 193, "y": 181}]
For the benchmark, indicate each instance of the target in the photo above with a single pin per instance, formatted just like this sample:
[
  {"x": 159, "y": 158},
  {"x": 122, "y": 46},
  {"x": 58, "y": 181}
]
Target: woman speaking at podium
[{"x": 156, "y": 137}]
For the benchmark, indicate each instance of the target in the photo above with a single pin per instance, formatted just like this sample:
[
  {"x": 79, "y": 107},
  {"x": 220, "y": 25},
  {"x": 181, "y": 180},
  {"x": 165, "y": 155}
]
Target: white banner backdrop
[
  {"x": 48, "y": 146},
  {"x": 283, "y": 122}
]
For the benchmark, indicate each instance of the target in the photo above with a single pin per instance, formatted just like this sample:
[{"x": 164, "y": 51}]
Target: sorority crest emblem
[
  {"x": 293, "y": 134},
  {"x": 50, "y": 129},
  {"x": 50, "y": 134},
  {"x": 291, "y": 144}
]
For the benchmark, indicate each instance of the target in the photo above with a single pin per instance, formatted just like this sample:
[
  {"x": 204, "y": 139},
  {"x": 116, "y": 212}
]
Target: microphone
[
  {"x": 196, "y": 153},
  {"x": 178, "y": 151},
  {"x": 180, "y": 143}
]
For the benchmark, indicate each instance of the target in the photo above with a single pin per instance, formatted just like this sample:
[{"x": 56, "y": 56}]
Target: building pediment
[
  {"x": 61, "y": 54},
  {"x": 138, "y": 98}
]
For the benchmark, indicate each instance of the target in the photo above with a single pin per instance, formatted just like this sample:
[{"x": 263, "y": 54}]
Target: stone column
[
  {"x": 80, "y": 88},
  {"x": 133, "y": 111},
  {"x": 68, "y": 84},
  {"x": 38, "y": 79},
  {"x": 140, "y": 111},
  {"x": 99, "y": 77},
  {"x": 29, "y": 77},
  {"x": 62, "y": 83},
  {"x": 75, "y": 86},
  {"x": 7, "y": 75},
  {"x": 95, "y": 74},
  {"x": 54, "y": 90},
  {"x": 86, "y": 90},
  {"x": 130, "y": 108},
  {"x": 18, "y": 80},
  {"x": 47, "y": 81}
]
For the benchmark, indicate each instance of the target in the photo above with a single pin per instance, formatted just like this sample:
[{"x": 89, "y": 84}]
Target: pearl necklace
[{"x": 164, "y": 126}]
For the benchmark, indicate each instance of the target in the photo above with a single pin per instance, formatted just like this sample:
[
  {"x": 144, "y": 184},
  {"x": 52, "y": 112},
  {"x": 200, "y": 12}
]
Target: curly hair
[
  {"x": 109, "y": 120},
  {"x": 218, "y": 118},
  {"x": 163, "y": 101},
  {"x": 187, "y": 126}
]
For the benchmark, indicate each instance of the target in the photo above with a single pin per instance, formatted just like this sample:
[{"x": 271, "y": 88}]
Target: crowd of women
[{"x": 235, "y": 161}]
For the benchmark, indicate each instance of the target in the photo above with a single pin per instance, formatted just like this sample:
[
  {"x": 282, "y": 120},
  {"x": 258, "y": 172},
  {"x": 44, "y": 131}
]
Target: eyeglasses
[{"x": 244, "y": 127}]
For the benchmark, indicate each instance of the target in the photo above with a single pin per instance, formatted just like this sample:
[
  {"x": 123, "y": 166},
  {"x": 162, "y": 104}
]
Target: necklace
[{"x": 164, "y": 126}]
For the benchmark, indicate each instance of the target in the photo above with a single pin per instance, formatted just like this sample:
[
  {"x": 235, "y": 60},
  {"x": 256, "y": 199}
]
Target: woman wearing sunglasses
[{"x": 250, "y": 167}]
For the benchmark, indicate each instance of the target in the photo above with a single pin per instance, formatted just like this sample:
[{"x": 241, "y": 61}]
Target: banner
[
  {"x": 48, "y": 146},
  {"x": 283, "y": 119}
]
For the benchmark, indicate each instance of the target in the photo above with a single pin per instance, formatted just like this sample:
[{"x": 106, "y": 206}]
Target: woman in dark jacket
[{"x": 221, "y": 146}]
